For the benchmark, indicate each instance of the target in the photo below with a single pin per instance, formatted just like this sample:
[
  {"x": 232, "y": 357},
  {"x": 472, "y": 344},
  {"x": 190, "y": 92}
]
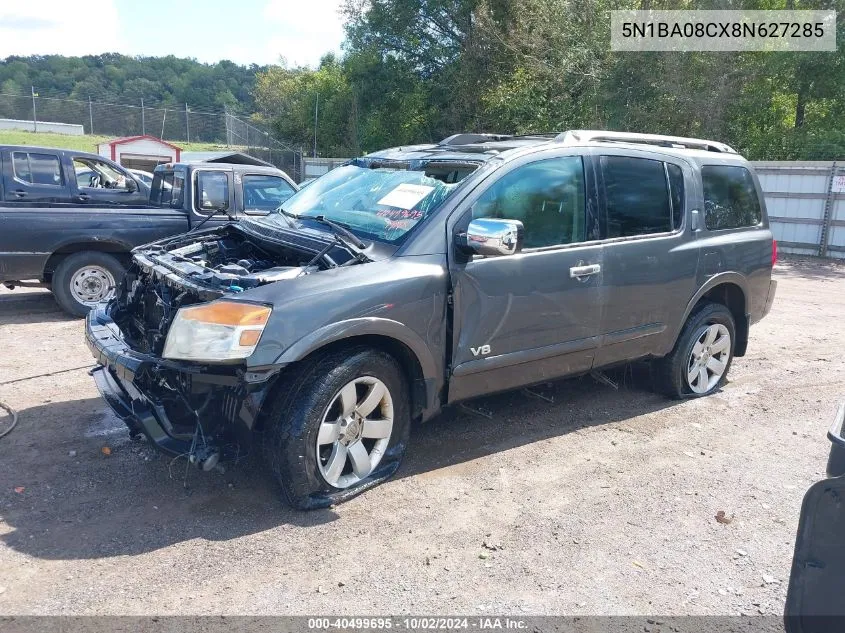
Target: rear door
[
  {"x": 32, "y": 178},
  {"x": 35, "y": 201},
  {"x": 525, "y": 318},
  {"x": 650, "y": 253}
]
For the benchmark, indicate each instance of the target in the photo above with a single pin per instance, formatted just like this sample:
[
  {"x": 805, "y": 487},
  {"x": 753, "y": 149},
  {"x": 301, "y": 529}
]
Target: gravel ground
[{"x": 602, "y": 502}]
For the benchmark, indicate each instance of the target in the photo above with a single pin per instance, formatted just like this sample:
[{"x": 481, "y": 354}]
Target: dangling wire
[{"x": 14, "y": 415}]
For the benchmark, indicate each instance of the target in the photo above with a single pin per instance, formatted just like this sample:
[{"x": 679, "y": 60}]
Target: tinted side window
[
  {"x": 212, "y": 191},
  {"x": 37, "y": 169},
  {"x": 676, "y": 189},
  {"x": 265, "y": 193},
  {"x": 547, "y": 196},
  {"x": 730, "y": 198},
  {"x": 637, "y": 196},
  {"x": 46, "y": 169},
  {"x": 20, "y": 163}
]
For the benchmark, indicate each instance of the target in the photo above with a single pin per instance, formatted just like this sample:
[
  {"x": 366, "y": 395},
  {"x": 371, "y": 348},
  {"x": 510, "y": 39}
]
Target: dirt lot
[{"x": 601, "y": 502}]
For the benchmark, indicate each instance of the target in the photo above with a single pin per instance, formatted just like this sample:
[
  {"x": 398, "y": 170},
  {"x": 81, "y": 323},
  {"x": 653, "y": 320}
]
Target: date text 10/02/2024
[{"x": 478, "y": 623}]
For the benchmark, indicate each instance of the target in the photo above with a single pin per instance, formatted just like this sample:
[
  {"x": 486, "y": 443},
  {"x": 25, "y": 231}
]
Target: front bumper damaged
[{"x": 206, "y": 413}]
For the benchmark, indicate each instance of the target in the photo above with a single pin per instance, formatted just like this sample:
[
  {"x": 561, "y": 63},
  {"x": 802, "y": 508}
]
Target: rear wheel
[
  {"x": 699, "y": 363},
  {"x": 338, "y": 427},
  {"x": 84, "y": 279}
]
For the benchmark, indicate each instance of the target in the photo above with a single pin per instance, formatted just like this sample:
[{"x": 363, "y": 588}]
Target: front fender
[{"x": 370, "y": 326}]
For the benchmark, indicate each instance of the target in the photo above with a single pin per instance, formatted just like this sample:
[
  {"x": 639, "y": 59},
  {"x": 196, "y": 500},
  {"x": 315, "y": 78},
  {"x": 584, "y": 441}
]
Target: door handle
[
  {"x": 84, "y": 197},
  {"x": 20, "y": 193},
  {"x": 582, "y": 272}
]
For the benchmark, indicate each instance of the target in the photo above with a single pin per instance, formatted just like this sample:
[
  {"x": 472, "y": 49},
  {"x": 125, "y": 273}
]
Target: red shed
[{"x": 140, "y": 152}]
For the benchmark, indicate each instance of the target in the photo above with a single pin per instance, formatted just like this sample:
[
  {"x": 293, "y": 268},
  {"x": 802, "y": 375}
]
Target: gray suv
[{"x": 417, "y": 277}]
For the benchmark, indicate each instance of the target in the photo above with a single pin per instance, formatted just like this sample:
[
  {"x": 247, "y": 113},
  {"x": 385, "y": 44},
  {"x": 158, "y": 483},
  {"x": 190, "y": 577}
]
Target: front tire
[
  {"x": 338, "y": 427},
  {"x": 699, "y": 363},
  {"x": 84, "y": 279}
]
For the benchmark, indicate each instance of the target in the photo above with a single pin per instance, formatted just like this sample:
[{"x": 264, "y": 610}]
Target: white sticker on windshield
[{"x": 405, "y": 196}]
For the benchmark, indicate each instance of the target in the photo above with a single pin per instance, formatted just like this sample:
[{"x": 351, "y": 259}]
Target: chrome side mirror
[{"x": 491, "y": 237}]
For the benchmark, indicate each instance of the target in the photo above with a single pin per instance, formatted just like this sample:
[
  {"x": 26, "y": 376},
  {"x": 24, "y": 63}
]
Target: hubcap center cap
[{"x": 351, "y": 428}]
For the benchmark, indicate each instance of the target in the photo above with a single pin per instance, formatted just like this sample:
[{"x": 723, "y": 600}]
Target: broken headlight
[{"x": 216, "y": 331}]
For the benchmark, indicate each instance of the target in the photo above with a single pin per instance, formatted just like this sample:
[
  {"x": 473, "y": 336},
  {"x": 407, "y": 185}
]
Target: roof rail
[
  {"x": 577, "y": 137},
  {"x": 470, "y": 138}
]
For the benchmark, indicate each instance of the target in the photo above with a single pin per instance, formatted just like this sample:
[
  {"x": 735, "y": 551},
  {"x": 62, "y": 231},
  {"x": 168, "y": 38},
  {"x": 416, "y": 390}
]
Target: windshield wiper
[
  {"x": 289, "y": 217},
  {"x": 341, "y": 234},
  {"x": 211, "y": 215},
  {"x": 339, "y": 230}
]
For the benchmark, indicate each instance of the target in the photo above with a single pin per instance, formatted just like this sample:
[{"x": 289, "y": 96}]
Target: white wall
[
  {"x": 797, "y": 194},
  {"x": 43, "y": 126}
]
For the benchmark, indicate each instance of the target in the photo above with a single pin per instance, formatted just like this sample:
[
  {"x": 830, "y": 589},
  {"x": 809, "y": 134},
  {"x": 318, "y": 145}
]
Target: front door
[
  {"x": 98, "y": 183},
  {"x": 533, "y": 316}
]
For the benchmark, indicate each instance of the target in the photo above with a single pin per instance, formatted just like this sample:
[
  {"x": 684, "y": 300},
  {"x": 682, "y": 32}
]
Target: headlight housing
[{"x": 217, "y": 331}]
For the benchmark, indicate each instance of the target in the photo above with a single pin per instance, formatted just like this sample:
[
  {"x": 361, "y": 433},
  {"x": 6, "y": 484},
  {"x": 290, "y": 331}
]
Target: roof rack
[
  {"x": 578, "y": 137},
  {"x": 471, "y": 139}
]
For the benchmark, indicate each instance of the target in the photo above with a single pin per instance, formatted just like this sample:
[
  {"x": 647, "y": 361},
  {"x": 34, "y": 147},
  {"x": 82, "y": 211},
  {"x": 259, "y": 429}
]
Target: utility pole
[
  {"x": 90, "y": 115},
  {"x": 187, "y": 125},
  {"x": 226, "y": 123},
  {"x": 316, "y": 110},
  {"x": 143, "y": 120},
  {"x": 34, "y": 115}
]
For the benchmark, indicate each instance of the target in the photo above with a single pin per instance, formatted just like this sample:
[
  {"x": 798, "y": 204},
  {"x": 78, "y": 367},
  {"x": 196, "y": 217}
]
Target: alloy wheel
[
  {"x": 709, "y": 358},
  {"x": 355, "y": 432}
]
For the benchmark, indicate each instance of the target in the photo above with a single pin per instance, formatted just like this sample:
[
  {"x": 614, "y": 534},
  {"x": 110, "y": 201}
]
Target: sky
[{"x": 244, "y": 31}]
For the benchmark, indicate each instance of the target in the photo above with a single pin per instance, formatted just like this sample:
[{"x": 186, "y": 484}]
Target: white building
[{"x": 140, "y": 152}]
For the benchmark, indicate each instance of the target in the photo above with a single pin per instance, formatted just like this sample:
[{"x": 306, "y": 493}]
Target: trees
[
  {"x": 419, "y": 70},
  {"x": 121, "y": 79}
]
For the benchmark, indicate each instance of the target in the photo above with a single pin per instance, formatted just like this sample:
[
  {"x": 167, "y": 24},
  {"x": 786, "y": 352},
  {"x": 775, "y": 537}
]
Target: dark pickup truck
[{"x": 68, "y": 220}]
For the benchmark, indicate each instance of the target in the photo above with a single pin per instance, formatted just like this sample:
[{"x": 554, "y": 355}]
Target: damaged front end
[{"x": 192, "y": 394}]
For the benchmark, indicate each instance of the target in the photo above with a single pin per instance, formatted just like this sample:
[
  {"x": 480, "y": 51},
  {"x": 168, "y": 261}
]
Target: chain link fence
[{"x": 174, "y": 124}]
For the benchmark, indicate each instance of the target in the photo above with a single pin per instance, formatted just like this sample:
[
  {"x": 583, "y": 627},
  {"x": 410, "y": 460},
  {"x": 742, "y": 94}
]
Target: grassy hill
[{"x": 85, "y": 143}]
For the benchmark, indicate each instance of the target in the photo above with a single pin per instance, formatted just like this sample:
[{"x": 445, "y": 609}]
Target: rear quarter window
[{"x": 730, "y": 198}]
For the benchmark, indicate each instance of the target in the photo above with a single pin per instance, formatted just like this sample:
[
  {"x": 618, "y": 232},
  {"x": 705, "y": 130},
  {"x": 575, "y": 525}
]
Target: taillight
[{"x": 774, "y": 252}]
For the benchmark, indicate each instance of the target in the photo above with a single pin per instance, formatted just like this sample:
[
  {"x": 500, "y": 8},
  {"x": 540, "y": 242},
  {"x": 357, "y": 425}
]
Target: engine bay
[
  {"x": 193, "y": 268},
  {"x": 231, "y": 261}
]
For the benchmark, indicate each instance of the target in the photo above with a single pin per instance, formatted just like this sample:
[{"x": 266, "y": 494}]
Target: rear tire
[
  {"x": 324, "y": 447},
  {"x": 84, "y": 279},
  {"x": 699, "y": 363}
]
